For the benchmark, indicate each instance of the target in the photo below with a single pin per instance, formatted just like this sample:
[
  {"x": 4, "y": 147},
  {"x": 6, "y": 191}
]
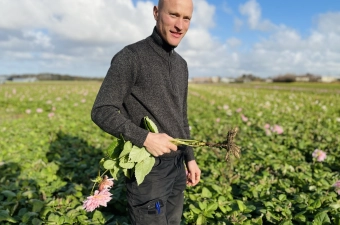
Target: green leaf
[
  {"x": 300, "y": 217},
  {"x": 143, "y": 168},
  {"x": 29, "y": 194},
  {"x": 335, "y": 205},
  {"x": 4, "y": 216},
  {"x": 282, "y": 197},
  {"x": 322, "y": 218},
  {"x": 241, "y": 205},
  {"x": 212, "y": 206},
  {"x": 202, "y": 205},
  {"x": 115, "y": 148},
  {"x": 53, "y": 217},
  {"x": 194, "y": 209},
  {"x": 9, "y": 194},
  {"x": 192, "y": 197},
  {"x": 287, "y": 222},
  {"x": 37, "y": 205},
  {"x": 114, "y": 172},
  {"x": 138, "y": 154},
  {"x": 73, "y": 213},
  {"x": 316, "y": 204},
  {"x": 221, "y": 199},
  {"x": 36, "y": 221},
  {"x": 109, "y": 164},
  {"x": 98, "y": 216},
  {"x": 150, "y": 125},
  {"x": 257, "y": 221},
  {"x": 127, "y": 149},
  {"x": 26, "y": 217},
  {"x": 201, "y": 220},
  {"x": 127, "y": 172},
  {"x": 124, "y": 163},
  {"x": 206, "y": 193}
]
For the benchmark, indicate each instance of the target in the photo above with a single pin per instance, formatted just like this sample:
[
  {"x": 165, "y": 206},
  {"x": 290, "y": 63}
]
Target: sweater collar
[{"x": 160, "y": 41}]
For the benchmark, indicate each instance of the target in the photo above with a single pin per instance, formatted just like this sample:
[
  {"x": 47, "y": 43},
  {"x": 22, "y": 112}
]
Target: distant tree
[{"x": 285, "y": 78}]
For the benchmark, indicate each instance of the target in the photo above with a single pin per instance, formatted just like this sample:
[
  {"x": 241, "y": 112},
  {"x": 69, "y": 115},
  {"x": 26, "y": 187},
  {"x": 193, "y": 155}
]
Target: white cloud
[
  {"x": 238, "y": 23},
  {"x": 226, "y": 8},
  {"x": 73, "y": 29},
  {"x": 329, "y": 22},
  {"x": 203, "y": 15},
  {"x": 39, "y": 39},
  {"x": 233, "y": 42},
  {"x": 252, "y": 10},
  {"x": 81, "y": 36}
]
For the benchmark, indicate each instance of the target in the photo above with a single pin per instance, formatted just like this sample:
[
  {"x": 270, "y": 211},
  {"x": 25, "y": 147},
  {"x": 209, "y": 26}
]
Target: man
[{"x": 149, "y": 78}]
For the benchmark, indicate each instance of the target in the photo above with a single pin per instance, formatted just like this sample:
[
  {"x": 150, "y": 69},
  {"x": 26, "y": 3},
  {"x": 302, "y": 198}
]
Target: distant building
[
  {"x": 24, "y": 80},
  {"x": 227, "y": 80},
  {"x": 215, "y": 79},
  {"x": 327, "y": 79},
  {"x": 201, "y": 80},
  {"x": 3, "y": 80},
  {"x": 302, "y": 78}
]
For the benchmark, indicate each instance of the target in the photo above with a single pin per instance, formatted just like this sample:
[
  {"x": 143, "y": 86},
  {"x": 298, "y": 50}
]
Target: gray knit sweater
[{"x": 147, "y": 78}]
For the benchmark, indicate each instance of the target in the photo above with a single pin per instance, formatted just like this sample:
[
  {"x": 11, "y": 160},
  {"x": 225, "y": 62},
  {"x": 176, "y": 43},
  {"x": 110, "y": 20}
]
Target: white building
[
  {"x": 328, "y": 79},
  {"x": 3, "y": 80},
  {"x": 24, "y": 80},
  {"x": 227, "y": 80}
]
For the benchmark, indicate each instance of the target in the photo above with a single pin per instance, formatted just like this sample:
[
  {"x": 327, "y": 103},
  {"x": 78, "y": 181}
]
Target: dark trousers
[{"x": 158, "y": 200}]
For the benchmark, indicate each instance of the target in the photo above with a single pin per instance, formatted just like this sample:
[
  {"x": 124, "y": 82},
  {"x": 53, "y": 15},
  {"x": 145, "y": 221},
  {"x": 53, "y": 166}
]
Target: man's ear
[{"x": 155, "y": 12}]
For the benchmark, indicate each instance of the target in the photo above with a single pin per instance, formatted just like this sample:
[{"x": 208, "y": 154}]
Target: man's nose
[{"x": 179, "y": 23}]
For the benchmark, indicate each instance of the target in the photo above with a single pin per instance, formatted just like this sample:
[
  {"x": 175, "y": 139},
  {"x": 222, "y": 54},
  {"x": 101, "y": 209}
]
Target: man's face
[{"x": 173, "y": 19}]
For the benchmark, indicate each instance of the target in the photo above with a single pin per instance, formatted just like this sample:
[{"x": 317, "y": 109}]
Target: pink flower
[
  {"x": 50, "y": 115},
  {"x": 239, "y": 110},
  {"x": 267, "y": 126},
  {"x": 28, "y": 111},
  {"x": 319, "y": 155},
  {"x": 225, "y": 107},
  {"x": 83, "y": 100},
  {"x": 244, "y": 118},
  {"x": 106, "y": 183},
  {"x": 337, "y": 184},
  {"x": 218, "y": 120},
  {"x": 337, "y": 187},
  {"x": 39, "y": 110},
  {"x": 100, "y": 198},
  {"x": 277, "y": 129}
]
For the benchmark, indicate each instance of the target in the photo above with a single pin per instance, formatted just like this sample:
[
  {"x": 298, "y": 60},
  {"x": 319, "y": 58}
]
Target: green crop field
[{"x": 50, "y": 150}]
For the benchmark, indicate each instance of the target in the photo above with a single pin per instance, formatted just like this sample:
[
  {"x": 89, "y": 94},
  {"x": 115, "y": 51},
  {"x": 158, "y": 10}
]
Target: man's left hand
[{"x": 194, "y": 173}]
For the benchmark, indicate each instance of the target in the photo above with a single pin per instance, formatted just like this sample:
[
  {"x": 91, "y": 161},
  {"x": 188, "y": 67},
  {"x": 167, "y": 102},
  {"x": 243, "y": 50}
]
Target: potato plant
[{"x": 50, "y": 152}]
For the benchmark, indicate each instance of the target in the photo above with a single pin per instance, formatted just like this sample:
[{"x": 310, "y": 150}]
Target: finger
[
  {"x": 197, "y": 180},
  {"x": 192, "y": 178},
  {"x": 173, "y": 147}
]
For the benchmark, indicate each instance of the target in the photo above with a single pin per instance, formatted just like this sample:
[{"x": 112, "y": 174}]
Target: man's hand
[
  {"x": 158, "y": 144},
  {"x": 194, "y": 173}
]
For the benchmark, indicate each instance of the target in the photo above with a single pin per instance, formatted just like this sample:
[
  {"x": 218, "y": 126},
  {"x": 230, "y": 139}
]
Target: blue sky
[{"x": 227, "y": 38}]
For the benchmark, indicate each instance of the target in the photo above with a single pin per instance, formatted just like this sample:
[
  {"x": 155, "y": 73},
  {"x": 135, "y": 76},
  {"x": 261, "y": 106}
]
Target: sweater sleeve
[
  {"x": 117, "y": 85},
  {"x": 189, "y": 152}
]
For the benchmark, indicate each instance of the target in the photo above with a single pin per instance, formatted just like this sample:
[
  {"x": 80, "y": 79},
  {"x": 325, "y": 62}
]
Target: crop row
[{"x": 50, "y": 151}]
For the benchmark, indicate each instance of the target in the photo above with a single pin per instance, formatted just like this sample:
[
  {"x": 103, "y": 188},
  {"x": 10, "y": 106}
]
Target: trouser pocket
[{"x": 151, "y": 213}]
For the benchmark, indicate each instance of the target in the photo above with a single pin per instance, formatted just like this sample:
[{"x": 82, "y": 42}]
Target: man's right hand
[{"x": 159, "y": 143}]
